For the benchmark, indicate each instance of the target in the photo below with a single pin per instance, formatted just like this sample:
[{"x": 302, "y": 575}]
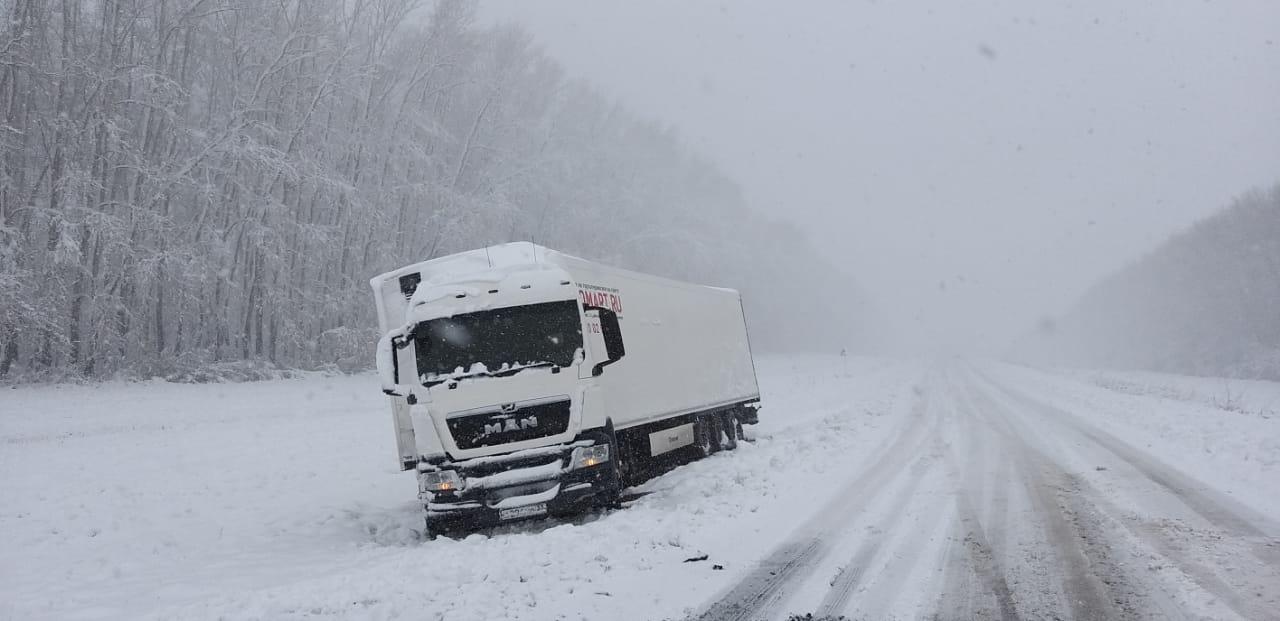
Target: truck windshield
[{"x": 498, "y": 341}]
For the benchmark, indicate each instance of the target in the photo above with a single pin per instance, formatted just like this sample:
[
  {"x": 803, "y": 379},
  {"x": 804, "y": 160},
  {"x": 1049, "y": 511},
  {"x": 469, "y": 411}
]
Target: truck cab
[{"x": 491, "y": 374}]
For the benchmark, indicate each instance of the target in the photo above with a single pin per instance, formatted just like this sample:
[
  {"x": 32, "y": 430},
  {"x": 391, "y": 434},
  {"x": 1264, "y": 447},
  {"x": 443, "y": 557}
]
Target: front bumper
[{"x": 516, "y": 486}]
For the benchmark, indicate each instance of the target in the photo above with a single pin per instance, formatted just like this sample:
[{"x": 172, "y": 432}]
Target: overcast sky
[{"x": 974, "y": 165}]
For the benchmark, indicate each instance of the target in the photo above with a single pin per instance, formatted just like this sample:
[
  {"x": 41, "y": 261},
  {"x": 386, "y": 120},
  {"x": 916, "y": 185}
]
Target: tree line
[
  {"x": 1205, "y": 302},
  {"x": 189, "y": 182}
]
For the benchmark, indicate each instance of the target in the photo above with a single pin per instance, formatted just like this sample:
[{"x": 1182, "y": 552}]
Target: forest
[
  {"x": 193, "y": 183},
  {"x": 1206, "y": 302}
]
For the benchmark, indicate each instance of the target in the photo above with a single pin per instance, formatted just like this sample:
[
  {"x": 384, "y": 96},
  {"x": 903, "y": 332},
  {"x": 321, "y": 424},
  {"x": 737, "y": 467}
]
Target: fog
[
  {"x": 976, "y": 167},
  {"x": 183, "y": 189},
  {"x": 828, "y": 309}
]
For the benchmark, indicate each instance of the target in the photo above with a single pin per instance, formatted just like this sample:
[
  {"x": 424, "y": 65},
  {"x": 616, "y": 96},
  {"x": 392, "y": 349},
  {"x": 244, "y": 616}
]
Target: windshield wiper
[
  {"x": 497, "y": 373},
  {"x": 513, "y": 370}
]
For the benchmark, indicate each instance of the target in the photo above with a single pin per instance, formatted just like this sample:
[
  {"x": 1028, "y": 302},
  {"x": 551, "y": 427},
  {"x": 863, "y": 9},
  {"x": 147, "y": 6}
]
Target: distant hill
[{"x": 1206, "y": 302}]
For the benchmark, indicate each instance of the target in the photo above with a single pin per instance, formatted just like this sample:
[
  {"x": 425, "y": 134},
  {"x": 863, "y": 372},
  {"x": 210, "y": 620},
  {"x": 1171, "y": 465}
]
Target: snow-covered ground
[
  {"x": 282, "y": 498},
  {"x": 1253, "y": 397},
  {"x": 880, "y": 489}
]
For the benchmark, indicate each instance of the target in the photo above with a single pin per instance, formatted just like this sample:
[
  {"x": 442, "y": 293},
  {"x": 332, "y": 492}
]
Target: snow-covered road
[
  {"x": 877, "y": 489},
  {"x": 1007, "y": 493}
]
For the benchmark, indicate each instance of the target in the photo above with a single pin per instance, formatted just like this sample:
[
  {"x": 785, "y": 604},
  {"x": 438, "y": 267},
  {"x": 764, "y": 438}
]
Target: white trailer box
[{"x": 524, "y": 381}]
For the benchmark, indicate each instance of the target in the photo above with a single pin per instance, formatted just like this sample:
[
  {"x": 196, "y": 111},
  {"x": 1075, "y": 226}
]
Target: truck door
[{"x": 593, "y": 340}]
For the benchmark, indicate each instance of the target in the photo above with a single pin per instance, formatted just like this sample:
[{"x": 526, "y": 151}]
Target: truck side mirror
[
  {"x": 388, "y": 361},
  {"x": 612, "y": 333}
]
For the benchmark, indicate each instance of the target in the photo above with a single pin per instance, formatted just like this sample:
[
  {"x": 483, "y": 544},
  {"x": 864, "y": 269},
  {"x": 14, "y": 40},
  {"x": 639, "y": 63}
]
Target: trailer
[{"x": 527, "y": 382}]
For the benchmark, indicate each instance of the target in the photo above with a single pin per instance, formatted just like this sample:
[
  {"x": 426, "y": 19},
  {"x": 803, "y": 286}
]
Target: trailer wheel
[
  {"x": 729, "y": 430},
  {"x": 709, "y": 430}
]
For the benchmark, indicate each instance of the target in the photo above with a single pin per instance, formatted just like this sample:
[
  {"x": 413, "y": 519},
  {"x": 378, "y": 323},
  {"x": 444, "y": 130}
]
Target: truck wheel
[
  {"x": 611, "y": 498},
  {"x": 730, "y": 427},
  {"x": 621, "y": 469},
  {"x": 432, "y": 531},
  {"x": 709, "y": 430}
]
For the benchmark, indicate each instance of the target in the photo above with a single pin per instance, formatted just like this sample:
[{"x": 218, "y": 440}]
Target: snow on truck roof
[
  {"x": 524, "y": 273},
  {"x": 521, "y": 265},
  {"x": 499, "y": 262},
  {"x": 459, "y": 283},
  {"x": 470, "y": 263}
]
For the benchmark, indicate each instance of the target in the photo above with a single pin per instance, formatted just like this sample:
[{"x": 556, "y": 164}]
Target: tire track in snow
[
  {"x": 975, "y": 550},
  {"x": 971, "y": 554},
  {"x": 1155, "y": 601},
  {"x": 761, "y": 590},
  {"x": 842, "y": 587},
  {"x": 1086, "y": 593},
  {"x": 998, "y": 505},
  {"x": 1215, "y": 508},
  {"x": 1205, "y": 572},
  {"x": 900, "y": 577},
  {"x": 757, "y": 594}
]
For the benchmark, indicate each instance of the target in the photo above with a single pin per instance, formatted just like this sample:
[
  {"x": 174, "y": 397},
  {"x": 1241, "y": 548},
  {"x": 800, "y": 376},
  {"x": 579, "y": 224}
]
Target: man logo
[
  {"x": 504, "y": 425},
  {"x": 507, "y": 408}
]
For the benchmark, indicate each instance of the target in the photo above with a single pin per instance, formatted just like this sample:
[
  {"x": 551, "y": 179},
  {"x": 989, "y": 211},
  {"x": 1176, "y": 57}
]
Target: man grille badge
[
  {"x": 504, "y": 425},
  {"x": 507, "y": 408}
]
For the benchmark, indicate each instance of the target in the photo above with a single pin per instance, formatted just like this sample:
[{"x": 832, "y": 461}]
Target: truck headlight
[
  {"x": 587, "y": 456},
  {"x": 440, "y": 481}
]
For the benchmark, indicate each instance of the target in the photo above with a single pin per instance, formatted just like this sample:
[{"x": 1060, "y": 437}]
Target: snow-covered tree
[
  {"x": 185, "y": 182},
  {"x": 1205, "y": 302}
]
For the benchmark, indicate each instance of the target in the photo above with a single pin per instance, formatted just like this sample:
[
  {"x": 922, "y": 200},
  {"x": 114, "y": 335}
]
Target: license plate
[{"x": 516, "y": 513}]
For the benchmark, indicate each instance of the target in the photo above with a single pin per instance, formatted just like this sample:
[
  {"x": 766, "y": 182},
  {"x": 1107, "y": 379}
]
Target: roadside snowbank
[{"x": 1253, "y": 397}]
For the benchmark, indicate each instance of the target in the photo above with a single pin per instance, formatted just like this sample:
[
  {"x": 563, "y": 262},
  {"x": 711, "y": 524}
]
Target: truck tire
[
  {"x": 611, "y": 498},
  {"x": 709, "y": 430},
  {"x": 729, "y": 430},
  {"x": 431, "y": 530},
  {"x": 619, "y": 471}
]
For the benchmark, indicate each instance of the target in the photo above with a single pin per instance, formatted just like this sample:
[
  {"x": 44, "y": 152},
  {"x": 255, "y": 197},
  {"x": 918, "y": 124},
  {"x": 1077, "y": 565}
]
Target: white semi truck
[{"x": 526, "y": 382}]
